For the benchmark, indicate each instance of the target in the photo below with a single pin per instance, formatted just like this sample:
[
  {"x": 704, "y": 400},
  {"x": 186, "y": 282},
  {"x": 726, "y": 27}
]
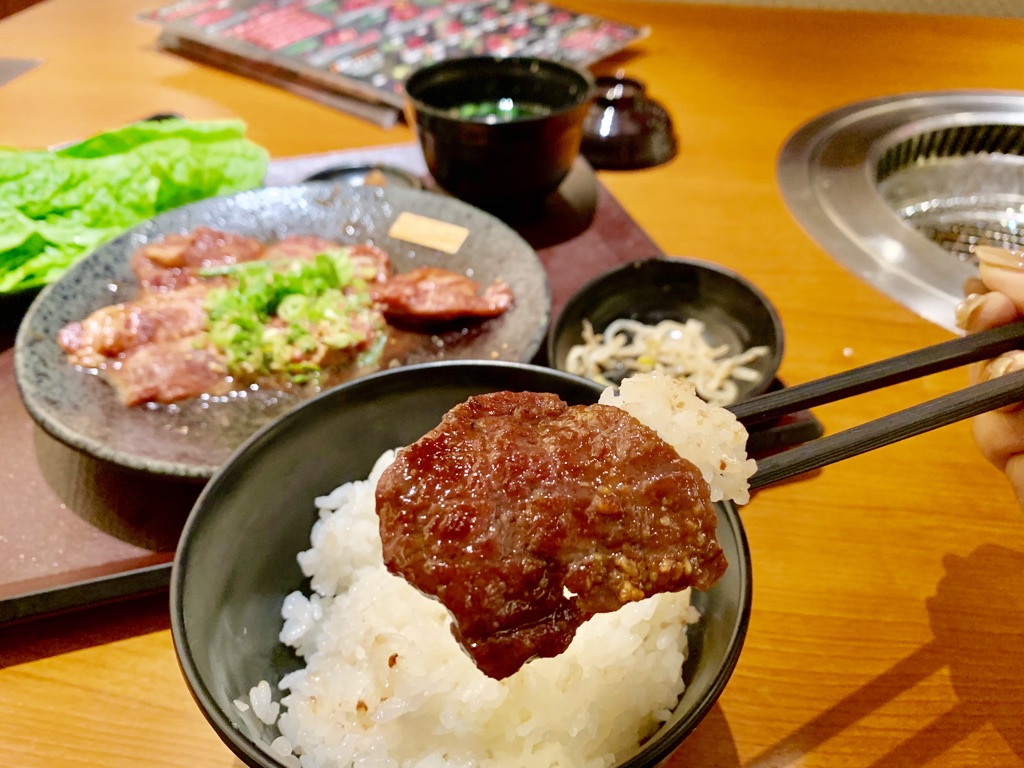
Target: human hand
[{"x": 997, "y": 298}]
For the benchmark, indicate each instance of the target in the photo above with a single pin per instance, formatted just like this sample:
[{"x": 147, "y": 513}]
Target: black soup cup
[
  {"x": 499, "y": 133},
  {"x": 236, "y": 560}
]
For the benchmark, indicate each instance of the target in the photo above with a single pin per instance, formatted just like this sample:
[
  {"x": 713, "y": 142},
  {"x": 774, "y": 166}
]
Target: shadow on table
[
  {"x": 554, "y": 220},
  {"x": 710, "y": 744},
  {"x": 976, "y": 616},
  {"x": 142, "y": 509}
]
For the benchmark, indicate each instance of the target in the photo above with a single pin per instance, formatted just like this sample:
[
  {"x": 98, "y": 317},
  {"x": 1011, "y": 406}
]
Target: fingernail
[
  {"x": 973, "y": 285},
  {"x": 1006, "y": 363},
  {"x": 967, "y": 310},
  {"x": 999, "y": 257}
]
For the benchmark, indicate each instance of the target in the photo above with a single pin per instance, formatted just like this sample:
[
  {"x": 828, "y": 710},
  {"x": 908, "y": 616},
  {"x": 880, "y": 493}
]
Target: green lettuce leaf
[{"x": 56, "y": 207}]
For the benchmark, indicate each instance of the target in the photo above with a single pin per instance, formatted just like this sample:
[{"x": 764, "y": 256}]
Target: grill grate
[
  {"x": 960, "y": 207},
  {"x": 960, "y": 239},
  {"x": 957, "y": 141}
]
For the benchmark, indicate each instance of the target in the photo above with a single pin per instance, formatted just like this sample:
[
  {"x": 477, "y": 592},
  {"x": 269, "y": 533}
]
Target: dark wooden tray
[{"x": 75, "y": 531}]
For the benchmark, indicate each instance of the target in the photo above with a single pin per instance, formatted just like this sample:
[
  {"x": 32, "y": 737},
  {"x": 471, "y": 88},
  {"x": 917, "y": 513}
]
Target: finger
[
  {"x": 981, "y": 311},
  {"x": 1003, "y": 270},
  {"x": 974, "y": 284},
  {"x": 1008, "y": 362},
  {"x": 990, "y": 300},
  {"x": 999, "y": 437},
  {"x": 1015, "y": 474}
]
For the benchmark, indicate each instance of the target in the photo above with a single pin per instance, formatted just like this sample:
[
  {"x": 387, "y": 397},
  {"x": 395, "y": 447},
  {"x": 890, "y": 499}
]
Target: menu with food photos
[{"x": 356, "y": 54}]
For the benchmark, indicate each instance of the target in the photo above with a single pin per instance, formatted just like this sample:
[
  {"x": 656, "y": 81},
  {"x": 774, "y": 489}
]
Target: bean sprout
[{"x": 677, "y": 349}]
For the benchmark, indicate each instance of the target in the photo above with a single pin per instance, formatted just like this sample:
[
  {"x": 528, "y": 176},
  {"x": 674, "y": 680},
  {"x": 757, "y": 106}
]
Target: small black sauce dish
[{"x": 733, "y": 310}]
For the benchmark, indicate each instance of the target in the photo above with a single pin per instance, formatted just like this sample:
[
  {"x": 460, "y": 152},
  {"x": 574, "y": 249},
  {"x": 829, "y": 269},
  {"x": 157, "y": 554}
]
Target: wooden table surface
[{"x": 888, "y": 616}]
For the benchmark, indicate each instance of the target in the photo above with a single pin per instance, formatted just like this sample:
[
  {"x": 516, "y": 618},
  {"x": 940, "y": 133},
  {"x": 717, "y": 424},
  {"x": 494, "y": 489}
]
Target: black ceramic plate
[
  {"x": 367, "y": 175},
  {"x": 226, "y": 594},
  {"x": 13, "y": 306},
  {"x": 193, "y": 438},
  {"x": 733, "y": 310}
]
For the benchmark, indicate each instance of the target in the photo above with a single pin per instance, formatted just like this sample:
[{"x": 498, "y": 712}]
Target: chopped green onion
[{"x": 274, "y": 316}]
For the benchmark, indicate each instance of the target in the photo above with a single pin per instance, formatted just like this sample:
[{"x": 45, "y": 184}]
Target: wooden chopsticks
[{"x": 940, "y": 412}]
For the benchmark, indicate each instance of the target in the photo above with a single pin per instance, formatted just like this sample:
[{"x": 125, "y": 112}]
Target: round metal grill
[{"x": 903, "y": 189}]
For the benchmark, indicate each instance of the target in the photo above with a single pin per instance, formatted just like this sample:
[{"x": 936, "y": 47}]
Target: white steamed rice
[
  {"x": 709, "y": 437},
  {"x": 385, "y": 685}
]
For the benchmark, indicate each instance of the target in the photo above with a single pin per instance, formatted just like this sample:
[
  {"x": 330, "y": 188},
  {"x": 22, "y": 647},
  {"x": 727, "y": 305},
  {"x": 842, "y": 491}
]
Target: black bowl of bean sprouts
[{"x": 689, "y": 318}]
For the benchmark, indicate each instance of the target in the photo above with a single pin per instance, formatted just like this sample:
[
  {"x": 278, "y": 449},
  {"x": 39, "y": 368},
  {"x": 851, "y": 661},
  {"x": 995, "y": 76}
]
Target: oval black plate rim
[{"x": 331, "y": 174}]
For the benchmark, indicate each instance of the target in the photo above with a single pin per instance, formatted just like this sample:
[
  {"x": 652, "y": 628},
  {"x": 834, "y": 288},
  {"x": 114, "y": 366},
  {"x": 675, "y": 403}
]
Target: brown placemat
[{"x": 75, "y": 531}]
